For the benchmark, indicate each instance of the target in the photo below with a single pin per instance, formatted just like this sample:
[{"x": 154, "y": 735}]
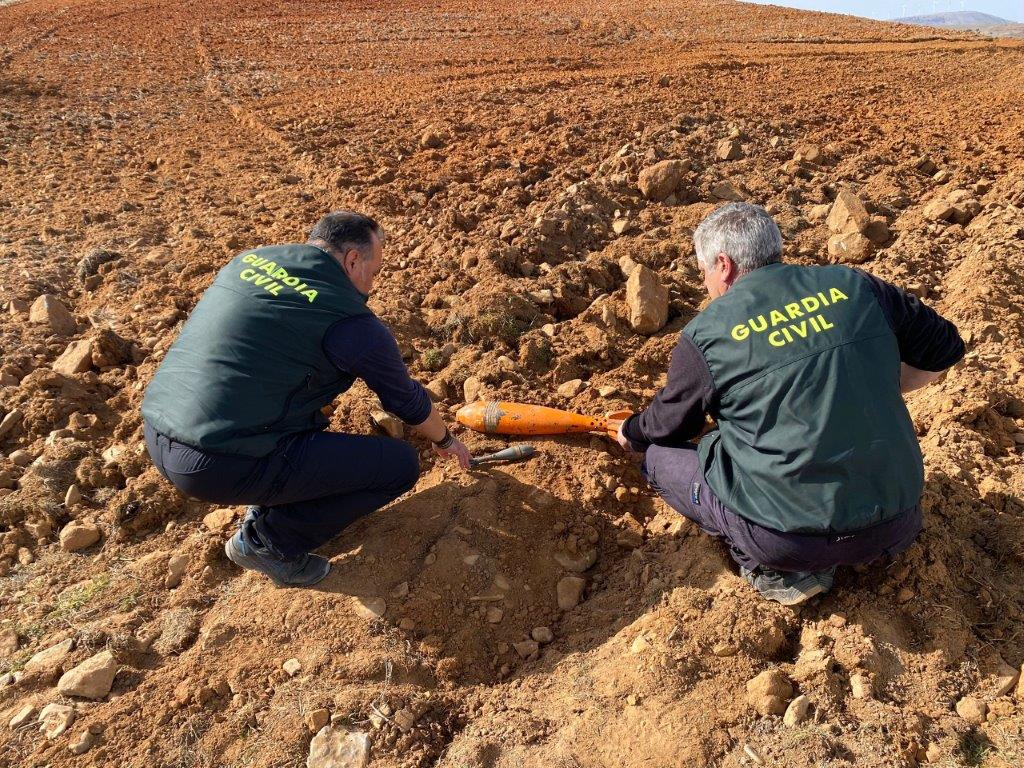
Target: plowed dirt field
[{"x": 142, "y": 144}]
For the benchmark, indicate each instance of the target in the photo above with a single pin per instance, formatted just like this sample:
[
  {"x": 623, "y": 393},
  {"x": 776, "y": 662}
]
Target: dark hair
[{"x": 344, "y": 230}]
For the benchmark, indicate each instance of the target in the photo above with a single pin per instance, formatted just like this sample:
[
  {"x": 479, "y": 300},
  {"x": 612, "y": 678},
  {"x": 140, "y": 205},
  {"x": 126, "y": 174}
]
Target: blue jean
[
  {"x": 676, "y": 475},
  {"x": 308, "y": 490}
]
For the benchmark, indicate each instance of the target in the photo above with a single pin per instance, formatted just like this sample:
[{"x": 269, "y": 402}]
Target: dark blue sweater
[{"x": 365, "y": 348}]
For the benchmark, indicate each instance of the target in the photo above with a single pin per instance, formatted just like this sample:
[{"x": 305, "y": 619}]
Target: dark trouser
[
  {"x": 308, "y": 490},
  {"x": 675, "y": 474}
]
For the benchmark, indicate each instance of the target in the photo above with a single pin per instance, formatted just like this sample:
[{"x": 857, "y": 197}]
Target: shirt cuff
[{"x": 632, "y": 432}]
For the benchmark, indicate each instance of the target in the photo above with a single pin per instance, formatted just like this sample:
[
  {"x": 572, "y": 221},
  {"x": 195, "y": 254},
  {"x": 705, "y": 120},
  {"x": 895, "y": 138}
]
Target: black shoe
[
  {"x": 242, "y": 550},
  {"x": 789, "y": 588}
]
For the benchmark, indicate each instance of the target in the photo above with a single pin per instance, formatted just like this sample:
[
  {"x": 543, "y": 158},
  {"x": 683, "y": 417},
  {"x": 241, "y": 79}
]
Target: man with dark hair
[
  {"x": 233, "y": 415},
  {"x": 814, "y": 462}
]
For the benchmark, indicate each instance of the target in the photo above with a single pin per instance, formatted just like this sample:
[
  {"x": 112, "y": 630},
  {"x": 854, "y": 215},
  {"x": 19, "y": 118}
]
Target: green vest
[
  {"x": 813, "y": 434},
  {"x": 249, "y": 367}
]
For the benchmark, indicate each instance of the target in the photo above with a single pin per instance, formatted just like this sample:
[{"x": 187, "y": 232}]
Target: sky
[{"x": 891, "y": 9}]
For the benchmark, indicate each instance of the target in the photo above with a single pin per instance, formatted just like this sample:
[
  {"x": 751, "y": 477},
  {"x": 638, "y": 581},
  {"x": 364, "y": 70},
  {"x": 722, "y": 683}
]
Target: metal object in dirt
[{"x": 514, "y": 453}]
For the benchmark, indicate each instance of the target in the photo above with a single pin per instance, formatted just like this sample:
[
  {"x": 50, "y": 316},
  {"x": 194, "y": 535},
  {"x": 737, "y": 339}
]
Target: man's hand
[
  {"x": 456, "y": 449},
  {"x": 620, "y": 438}
]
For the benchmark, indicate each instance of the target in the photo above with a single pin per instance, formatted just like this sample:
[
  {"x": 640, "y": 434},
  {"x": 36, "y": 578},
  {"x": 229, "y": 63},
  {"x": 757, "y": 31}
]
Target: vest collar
[{"x": 345, "y": 279}]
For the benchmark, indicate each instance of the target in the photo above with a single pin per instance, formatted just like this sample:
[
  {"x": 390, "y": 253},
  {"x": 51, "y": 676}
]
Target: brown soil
[{"x": 145, "y": 143}]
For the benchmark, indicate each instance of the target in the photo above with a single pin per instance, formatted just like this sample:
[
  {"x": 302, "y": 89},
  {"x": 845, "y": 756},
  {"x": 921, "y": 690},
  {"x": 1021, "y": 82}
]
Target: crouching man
[
  {"x": 233, "y": 415},
  {"x": 814, "y": 463}
]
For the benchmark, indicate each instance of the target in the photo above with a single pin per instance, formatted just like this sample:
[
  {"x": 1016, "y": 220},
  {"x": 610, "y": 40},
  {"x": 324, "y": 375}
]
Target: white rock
[
  {"x": 55, "y": 719},
  {"x": 73, "y": 496},
  {"x": 82, "y": 743},
  {"x": 176, "y": 567},
  {"x": 390, "y": 425},
  {"x": 23, "y": 716},
  {"x": 848, "y": 214},
  {"x": 335, "y": 747},
  {"x": 292, "y": 667},
  {"x": 796, "y": 712},
  {"x": 91, "y": 679}
]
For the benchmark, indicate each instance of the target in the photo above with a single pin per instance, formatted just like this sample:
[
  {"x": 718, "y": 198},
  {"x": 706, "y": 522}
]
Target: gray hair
[
  {"x": 345, "y": 230},
  {"x": 743, "y": 232}
]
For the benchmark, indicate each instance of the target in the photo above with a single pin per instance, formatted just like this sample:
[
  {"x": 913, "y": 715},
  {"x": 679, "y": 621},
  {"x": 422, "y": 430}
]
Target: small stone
[
  {"x": 73, "y": 496},
  {"x": 569, "y": 591},
  {"x": 809, "y": 153},
  {"x": 939, "y": 210},
  {"x": 878, "y": 232},
  {"x": 848, "y": 214},
  {"x": 620, "y": 226},
  {"x": 219, "y": 519},
  {"x": 639, "y": 645},
  {"x": 48, "y": 310},
  {"x": 405, "y": 719},
  {"x": 82, "y": 743},
  {"x": 729, "y": 149},
  {"x": 724, "y": 650},
  {"x": 632, "y": 700},
  {"x": 437, "y": 389},
  {"x": 55, "y": 719},
  {"x": 608, "y": 390},
  {"x": 571, "y": 388},
  {"x": 852, "y": 248},
  {"x": 77, "y": 358},
  {"x": 796, "y": 712},
  {"x": 934, "y": 753},
  {"x": 401, "y": 590},
  {"x": 78, "y": 535},
  {"x": 23, "y": 716},
  {"x": 371, "y": 607},
  {"x": 861, "y": 686},
  {"x": 495, "y": 615},
  {"x": 972, "y": 710},
  {"x": 582, "y": 562},
  {"x": 390, "y": 425},
  {"x": 542, "y": 635},
  {"x": 10, "y": 421},
  {"x": 49, "y": 659},
  {"x": 317, "y": 719},
  {"x": 432, "y": 139},
  {"x": 471, "y": 388},
  {"x": 91, "y": 679},
  {"x": 770, "y": 692},
  {"x": 526, "y": 648},
  {"x": 647, "y": 299},
  {"x": 292, "y": 667},
  {"x": 176, "y": 567},
  {"x": 20, "y": 458},
  {"x": 549, "y": 330},
  {"x": 726, "y": 190},
  {"x": 407, "y": 624},
  {"x": 335, "y": 747},
  {"x": 658, "y": 181}
]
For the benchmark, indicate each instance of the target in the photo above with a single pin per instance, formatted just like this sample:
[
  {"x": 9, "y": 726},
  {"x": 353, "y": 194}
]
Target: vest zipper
[{"x": 288, "y": 403}]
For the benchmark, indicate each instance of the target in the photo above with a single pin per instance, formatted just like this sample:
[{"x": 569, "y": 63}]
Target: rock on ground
[
  {"x": 48, "y": 310},
  {"x": 78, "y": 535},
  {"x": 91, "y": 679},
  {"x": 972, "y": 710},
  {"x": 49, "y": 659},
  {"x": 797, "y": 710},
  {"x": 569, "y": 592},
  {"x": 77, "y": 358},
  {"x": 851, "y": 248},
  {"x": 55, "y": 719},
  {"x": 848, "y": 214},
  {"x": 334, "y": 747},
  {"x": 658, "y": 181},
  {"x": 770, "y": 692},
  {"x": 647, "y": 299}
]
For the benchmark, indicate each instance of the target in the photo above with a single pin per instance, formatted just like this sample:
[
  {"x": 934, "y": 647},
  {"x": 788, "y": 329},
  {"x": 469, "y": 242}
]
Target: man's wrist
[{"x": 446, "y": 441}]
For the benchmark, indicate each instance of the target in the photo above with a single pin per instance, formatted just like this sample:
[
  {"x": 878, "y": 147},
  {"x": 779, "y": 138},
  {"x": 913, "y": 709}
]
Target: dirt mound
[{"x": 508, "y": 151}]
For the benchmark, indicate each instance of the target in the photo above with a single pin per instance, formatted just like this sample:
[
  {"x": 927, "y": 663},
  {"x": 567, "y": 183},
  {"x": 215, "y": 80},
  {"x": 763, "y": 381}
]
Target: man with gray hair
[
  {"x": 234, "y": 413},
  {"x": 814, "y": 462}
]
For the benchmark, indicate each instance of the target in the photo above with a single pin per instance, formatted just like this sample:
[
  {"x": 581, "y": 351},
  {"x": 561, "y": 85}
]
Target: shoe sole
[
  {"x": 803, "y": 597},
  {"x": 242, "y": 562}
]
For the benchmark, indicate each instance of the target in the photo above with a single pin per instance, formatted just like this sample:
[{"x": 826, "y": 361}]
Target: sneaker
[
  {"x": 243, "y": 550},
  {"x": 789, "y": 588}
]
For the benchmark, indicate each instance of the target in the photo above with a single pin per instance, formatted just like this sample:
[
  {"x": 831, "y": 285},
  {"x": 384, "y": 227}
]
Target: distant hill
[
  {"x": 955, "y": 19},
  {"x": 984, "y": 23}
]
